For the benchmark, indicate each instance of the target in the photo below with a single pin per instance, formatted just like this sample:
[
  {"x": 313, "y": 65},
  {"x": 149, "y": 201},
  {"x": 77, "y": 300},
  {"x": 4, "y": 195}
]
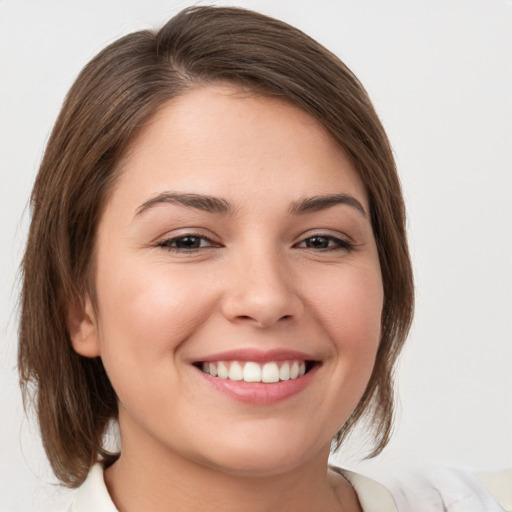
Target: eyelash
[
  {"x": 339, "y": 244},
  {"x": 166, "y": 244}
]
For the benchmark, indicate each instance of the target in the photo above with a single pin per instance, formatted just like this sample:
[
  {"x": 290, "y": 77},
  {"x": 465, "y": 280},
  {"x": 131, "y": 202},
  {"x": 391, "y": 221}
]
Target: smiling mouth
[{"x": 251, "y": 371}]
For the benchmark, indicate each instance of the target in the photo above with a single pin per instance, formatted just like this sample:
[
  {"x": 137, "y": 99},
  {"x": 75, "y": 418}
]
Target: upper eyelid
[
  {"x": 337, "y": 239},
  {"x": 186, "y": 235},
  {"x": 184, "y": 232},
  {"x": 166, "y": 244},
  {"x": 328, "y": 233}
]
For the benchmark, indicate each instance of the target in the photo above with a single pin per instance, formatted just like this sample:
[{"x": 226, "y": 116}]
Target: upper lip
[{"x": 257, "y": 355}]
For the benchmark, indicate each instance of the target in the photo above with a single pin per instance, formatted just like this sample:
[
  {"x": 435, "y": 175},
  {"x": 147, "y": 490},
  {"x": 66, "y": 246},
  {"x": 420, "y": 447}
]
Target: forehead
[{"x": 221, "y": 135}]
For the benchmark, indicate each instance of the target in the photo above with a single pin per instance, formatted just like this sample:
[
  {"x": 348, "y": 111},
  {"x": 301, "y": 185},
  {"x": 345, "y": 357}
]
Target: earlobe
[{"x": 83, "y": 329}]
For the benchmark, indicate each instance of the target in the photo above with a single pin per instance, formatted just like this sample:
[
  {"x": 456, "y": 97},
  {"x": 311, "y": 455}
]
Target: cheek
[
  {"x": 352, "y": 317},
  {"x": 351, "y": 308},
  {"x": 147, "y": 312}
]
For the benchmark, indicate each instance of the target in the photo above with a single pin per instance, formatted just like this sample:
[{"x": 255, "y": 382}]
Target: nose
[{"x": 261, "y": 292}]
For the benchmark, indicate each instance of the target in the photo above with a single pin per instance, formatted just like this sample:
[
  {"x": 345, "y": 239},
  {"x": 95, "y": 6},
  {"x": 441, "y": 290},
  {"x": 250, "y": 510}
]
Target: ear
[{"x": 83, "y": 328}]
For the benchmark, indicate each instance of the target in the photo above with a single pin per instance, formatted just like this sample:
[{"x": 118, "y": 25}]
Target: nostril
[{"x": 247, "y": 317}]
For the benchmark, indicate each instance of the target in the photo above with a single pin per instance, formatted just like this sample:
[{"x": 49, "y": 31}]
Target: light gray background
[{"x": 440, "y": 75}]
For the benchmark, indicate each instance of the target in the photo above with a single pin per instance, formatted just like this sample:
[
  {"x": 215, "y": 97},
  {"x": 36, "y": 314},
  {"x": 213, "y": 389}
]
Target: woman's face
[{"x": 235, "y": 253}]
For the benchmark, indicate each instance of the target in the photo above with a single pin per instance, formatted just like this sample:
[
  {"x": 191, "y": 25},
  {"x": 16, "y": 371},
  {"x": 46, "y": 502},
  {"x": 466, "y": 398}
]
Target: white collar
[
  {"x": 92, "y": 495},
  {"x": 373, "y": 496}
]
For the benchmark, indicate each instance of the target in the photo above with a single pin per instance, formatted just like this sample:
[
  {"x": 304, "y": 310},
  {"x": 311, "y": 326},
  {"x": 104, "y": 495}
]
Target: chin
[{"x": 260, "y": 456}]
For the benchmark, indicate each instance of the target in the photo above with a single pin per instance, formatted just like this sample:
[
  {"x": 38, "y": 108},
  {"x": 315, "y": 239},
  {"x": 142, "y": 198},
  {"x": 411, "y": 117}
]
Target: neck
[{"x": 145, "y": 478}]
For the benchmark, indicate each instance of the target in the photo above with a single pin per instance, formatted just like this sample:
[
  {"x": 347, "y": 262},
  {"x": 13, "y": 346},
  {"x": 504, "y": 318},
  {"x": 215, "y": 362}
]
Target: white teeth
[
  {"x": 222, "y": 370},
  {"x": 284, "y": 371},
  {"x": 250, "y": 371},
  {"x": 270, "y": 372},
  {"x": 294, "y": 370},
  {"x": 235, "y": 372}
]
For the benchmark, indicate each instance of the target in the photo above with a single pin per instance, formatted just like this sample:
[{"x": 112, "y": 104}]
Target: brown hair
[{"x": 111, "y": 99}]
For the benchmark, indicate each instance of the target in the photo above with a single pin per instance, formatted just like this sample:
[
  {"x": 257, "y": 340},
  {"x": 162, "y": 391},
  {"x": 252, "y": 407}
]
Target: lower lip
[{"x": 259, "y": 393}]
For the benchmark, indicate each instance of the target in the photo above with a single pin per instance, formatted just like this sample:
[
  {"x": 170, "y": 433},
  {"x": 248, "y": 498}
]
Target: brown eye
[
  {"x": 323, "y": 242},
  {"x": 187, "y": 243},
  {"x": 317, "y": 242}
]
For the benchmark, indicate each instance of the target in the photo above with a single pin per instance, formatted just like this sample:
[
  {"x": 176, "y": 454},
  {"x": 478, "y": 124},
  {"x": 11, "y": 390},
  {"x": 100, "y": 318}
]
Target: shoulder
[
  {"x": 443, "y": 489},
  {"x": 433, "y": 489}
]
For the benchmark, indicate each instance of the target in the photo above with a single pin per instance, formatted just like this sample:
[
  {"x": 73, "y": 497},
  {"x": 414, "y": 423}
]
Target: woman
[{"x": 217, "y": 259}]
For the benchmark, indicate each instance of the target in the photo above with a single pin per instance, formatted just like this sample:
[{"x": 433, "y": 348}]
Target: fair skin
[{"x": 264, "y": 275}]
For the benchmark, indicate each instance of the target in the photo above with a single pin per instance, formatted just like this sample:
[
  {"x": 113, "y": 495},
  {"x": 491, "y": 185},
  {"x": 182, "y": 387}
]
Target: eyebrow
[
  {"x": 317, "y": 203},
  {"x": 218, "y": 205},
  {"x": 198, "y": 201}
]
